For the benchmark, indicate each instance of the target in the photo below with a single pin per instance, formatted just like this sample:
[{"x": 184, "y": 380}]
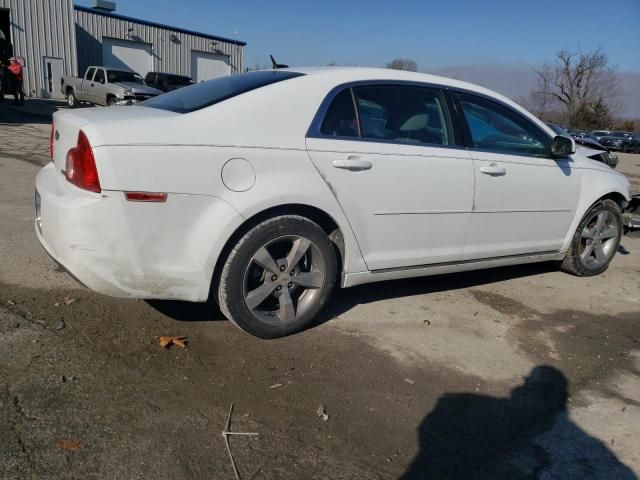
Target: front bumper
[
  {"x": 127, "y": 249},
  {"x": 631, "y": 214}
]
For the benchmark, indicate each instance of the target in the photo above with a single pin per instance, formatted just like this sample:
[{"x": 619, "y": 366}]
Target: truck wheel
[
  {"x": 596, "y": 240},
  {"x": 278, "y": 277},
  {"x": 72, "y": 101},
  {"x": 111, "y": 101}
]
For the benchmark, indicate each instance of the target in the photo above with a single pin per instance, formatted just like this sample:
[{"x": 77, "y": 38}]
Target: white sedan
[{"x": 267, "y": 189}]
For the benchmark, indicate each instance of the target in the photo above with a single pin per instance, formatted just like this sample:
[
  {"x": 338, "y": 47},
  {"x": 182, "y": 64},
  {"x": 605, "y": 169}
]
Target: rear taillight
[
  {"x": 51, "y": 142},
  {"x": 81, "y": 166}
]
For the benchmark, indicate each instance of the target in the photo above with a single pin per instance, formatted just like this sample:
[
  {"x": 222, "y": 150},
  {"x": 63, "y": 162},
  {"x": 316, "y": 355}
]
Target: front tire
[
  {"x": 278, "y": 277},
  {"x": 596, "y": 240}
]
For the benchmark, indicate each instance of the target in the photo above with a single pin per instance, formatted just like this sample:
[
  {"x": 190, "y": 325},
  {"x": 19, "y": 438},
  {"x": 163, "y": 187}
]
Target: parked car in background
[
  {"x": 594, "y": 149},
  {"x": 598, "y": 134},
  {"x": 618, "y": 140},
  {"x": 634, "y": 144},
  {"x": 106, "y": 86},
  {"x": 323, "y": 177},
  {"x": 578, "y": 133},
  {"x": 167, "y": 82}
]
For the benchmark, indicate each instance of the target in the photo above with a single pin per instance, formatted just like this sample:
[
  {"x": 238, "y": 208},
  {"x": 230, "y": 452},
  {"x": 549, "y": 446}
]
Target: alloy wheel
[
  {"x": 284, "y": 278},
  {"x": 598, "y": 240}
]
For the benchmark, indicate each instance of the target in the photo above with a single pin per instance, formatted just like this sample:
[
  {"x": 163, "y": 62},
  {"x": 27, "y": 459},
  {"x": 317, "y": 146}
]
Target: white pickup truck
[{"x": 106, "y": 86}]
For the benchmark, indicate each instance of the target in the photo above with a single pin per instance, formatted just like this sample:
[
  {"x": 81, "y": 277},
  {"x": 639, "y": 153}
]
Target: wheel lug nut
[
  {"x": 274, "y": 278},
  {"x": 278, "y": 288},
  {"x": 290, "y": 284},
  {"x": 282, "y": 268},
  {"x": 293, "y": 272}
]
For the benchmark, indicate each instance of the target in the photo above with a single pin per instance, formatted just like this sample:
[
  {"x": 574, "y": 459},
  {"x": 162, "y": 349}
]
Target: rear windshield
[{"x": 207, "y": 93}]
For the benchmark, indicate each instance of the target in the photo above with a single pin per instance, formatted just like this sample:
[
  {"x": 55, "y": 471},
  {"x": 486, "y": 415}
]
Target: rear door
[
  {"x": 525, "y": 199},
  {"x": 389, "y": 155}
]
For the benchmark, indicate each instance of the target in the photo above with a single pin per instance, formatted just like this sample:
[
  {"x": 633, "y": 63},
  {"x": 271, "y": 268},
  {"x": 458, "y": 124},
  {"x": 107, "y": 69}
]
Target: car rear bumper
[{"x": 129, "y": 249}]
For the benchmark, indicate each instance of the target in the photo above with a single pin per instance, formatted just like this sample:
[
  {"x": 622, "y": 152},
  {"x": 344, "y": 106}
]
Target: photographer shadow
[{"x": 526, "y": 436}]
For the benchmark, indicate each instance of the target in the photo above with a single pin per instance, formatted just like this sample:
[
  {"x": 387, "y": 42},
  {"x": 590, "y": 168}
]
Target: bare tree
[
  {"x": 403, "y": 64},
  {"x": 583, "y": 84}
]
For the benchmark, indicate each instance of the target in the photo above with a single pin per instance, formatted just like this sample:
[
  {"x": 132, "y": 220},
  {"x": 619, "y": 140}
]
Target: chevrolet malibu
[{"x": 266, "y": 190}]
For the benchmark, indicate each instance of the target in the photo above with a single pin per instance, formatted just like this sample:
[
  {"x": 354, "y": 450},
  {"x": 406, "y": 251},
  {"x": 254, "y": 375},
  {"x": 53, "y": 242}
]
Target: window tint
[
  {"x": 495, "y": 127},
  {"x": 205, "y": 94},
  {"x": 99, "y": 76},
  {"x": 89, "y": 74},
  {"x": 340, "y": 120},
  {"x": 404, "y": 114}
]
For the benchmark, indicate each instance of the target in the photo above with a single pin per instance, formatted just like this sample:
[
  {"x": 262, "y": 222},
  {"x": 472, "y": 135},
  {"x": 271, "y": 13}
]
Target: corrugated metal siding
[
  {"x": 42, "y": 28},
  {"x": 168, "y": 56}
]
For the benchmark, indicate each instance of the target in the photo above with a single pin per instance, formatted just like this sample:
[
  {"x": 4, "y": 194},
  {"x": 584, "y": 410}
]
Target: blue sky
[{"x": 434, "y": 34}]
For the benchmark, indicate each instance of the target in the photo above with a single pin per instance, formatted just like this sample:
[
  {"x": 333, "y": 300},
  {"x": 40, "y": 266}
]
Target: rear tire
[
  {"x": 111, "y": 101},
  {"x": 72, "y": 101},
  {"x": 278, "y": 277},
  {"x": 595, "y": 241}
]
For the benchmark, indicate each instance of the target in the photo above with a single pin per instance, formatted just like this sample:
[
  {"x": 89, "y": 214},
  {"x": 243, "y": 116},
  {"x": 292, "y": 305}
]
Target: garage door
[
  {"x": 205, "y": 66},
  {"x": 134, "y": 56}
]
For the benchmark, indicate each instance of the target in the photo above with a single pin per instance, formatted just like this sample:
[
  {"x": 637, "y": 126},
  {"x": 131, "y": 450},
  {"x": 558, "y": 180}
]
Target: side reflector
[{"x": 158, "y": 197}]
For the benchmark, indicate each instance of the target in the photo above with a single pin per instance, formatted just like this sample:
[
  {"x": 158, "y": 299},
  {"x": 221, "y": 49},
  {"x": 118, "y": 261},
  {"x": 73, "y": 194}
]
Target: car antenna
[{"x": 276, "y": 65}]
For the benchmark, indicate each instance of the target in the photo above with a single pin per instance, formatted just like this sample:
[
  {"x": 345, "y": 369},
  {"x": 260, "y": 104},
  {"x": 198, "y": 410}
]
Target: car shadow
[
  {"x": 344, "y": 300},
  {"x": 348, "y": 298},
  {"x": 188, "y": 311},
  {"x": 528, "y": 435}
]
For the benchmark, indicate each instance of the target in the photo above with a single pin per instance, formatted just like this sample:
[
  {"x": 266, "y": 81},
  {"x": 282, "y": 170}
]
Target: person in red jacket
[{"x": 15, "y": 70}]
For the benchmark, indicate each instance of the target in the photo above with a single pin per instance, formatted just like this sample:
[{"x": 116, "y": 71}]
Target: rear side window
[
  {"x": 497, "y": 128},
  {"x": 205, "y": 94},
  {"x": 403, "y": 114},
  {"x": 341, "y": 120}
]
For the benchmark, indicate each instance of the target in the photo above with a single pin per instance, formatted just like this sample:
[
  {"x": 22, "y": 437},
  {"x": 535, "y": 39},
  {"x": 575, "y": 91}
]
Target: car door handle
[
  {"x": 353, "y": 163},
  {"x": 494, "y": 170}
]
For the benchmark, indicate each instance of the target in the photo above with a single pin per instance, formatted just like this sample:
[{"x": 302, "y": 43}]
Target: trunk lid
[{"x": 101, "y": 125}]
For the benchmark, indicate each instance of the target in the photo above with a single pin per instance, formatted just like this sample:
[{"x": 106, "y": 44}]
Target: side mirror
[{"x": 562, "y": 146}]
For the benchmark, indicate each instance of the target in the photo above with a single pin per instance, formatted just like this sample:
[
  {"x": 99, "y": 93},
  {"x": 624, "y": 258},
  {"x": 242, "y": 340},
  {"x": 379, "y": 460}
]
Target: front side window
[
  {"x": 403, "y": 114},
  {"x": 99, "y": 76},
  {"x": 90, "y": 73},
  {"x": 497, "y": 128}
]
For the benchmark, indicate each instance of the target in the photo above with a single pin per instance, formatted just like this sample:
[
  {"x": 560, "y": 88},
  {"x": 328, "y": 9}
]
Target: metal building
[
  {"x": 106, "y": 38},
  {"x": 43, "y": 32},
  {"x": 57, "y": 38}
]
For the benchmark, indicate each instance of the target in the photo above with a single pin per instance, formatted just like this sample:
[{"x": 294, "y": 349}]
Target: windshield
[
  {"x": 115, "y": 76},
  {"x": 207, "y": 93},
  {"x": 619, "y": 134}
]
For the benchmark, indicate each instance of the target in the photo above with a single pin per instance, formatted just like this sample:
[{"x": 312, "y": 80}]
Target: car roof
[
  {"x": 369, "y": 73},
  {"x": 170, "y": 74},
  {"x": 112, "y": 69},
  {"x": 345, "y": 74}
]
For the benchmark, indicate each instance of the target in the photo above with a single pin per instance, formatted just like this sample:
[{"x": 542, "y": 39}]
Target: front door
[
  {"x": 393, "y": 165},
  {"x": 525, "y": 199},
  {"x": 53, "y": 69}
]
